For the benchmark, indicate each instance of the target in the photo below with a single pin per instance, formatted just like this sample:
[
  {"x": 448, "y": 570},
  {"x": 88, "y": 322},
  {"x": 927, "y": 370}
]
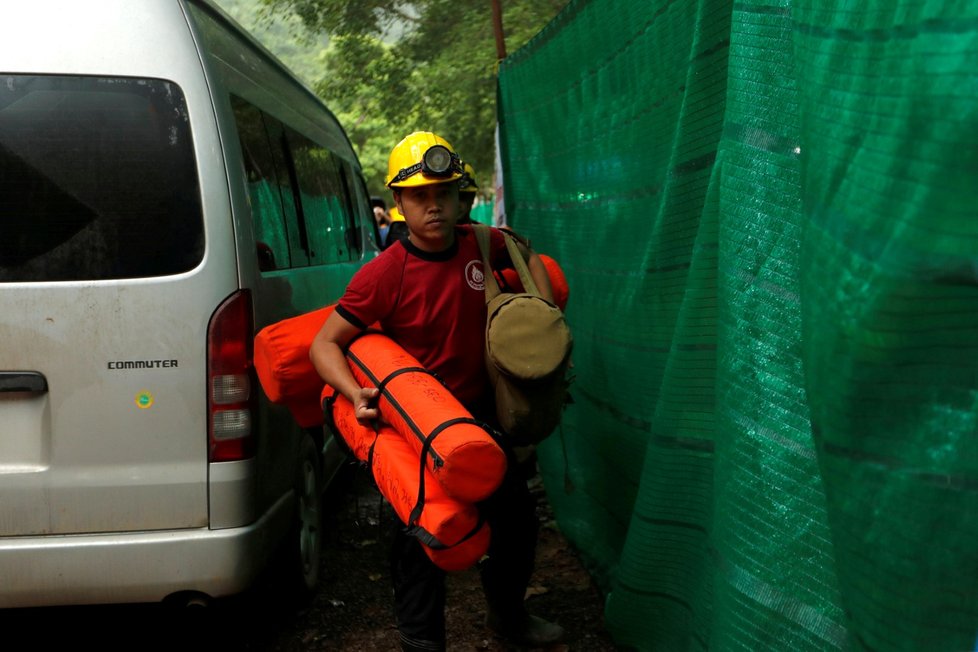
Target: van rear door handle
[{"x": 23, "y": 381}]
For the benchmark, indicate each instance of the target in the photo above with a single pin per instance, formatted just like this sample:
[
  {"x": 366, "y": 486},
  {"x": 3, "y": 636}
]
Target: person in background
[
  {"x": 427, "y": 293},
  {"x": 398, "y": 229},
  {"x": 381, "y": 217},
  {"x": 467, "y": 190}
]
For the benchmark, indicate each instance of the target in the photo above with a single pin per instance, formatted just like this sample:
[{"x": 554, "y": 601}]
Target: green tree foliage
[
  {"x": 394, "y": 67},
  {"x": 283, "y": 35},
  {"x": 362, "y": 76}
]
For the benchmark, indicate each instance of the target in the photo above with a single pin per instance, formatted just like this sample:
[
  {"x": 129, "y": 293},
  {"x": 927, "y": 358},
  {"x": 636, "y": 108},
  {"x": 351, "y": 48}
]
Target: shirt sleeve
[{"x": 372, "y": 292}]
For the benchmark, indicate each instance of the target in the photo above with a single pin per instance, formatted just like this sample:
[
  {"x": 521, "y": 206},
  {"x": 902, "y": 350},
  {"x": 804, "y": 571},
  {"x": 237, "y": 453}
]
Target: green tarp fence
[
  {"x": 768, "y": 216},
  {"x": 482, "y": 213}
]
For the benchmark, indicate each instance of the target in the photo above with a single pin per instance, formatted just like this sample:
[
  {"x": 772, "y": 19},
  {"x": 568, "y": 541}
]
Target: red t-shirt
[{"x": 432, "y": 304}]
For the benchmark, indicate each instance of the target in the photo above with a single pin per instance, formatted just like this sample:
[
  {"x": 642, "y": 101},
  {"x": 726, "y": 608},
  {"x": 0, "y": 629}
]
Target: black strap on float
[
  {"x": 382, "y": 386},
  {"x": 413, "y": 528},
  {"x": 425, "y": 451},
  {"x": 427, "y": 538}
]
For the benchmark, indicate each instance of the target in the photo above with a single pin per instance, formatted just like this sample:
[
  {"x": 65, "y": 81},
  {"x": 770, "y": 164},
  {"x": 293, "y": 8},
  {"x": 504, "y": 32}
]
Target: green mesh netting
[
  {"x": 766, "y": 212},
  {"x": 482, "y": 213}
]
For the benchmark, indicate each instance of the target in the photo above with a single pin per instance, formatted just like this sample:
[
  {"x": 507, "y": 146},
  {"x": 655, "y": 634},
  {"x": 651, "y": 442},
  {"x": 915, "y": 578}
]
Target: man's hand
[{"x": 365, "y": 405}]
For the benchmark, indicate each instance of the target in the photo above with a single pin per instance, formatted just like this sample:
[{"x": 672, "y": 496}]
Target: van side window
[
  {"x": 98, "y": 179},
  {"x": 304, "y": 207},
  {"x": 291, "y": 201},
  {"x": 358, "y": 205},
  {"x": 326, "y": 209},
  {"x": 264, "y": 187}
]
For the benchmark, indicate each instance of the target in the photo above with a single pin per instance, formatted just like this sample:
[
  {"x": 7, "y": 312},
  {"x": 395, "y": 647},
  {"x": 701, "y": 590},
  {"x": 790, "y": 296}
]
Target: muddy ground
[{"x": 350, "y": 611}]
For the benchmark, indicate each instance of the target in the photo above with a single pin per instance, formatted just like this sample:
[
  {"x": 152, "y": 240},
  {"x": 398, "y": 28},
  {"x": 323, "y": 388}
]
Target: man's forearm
[{"x": 330, "y": 362}]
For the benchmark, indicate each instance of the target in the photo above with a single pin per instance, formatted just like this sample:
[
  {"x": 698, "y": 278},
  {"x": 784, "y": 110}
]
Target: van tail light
[{"x": 230, "y": 391}]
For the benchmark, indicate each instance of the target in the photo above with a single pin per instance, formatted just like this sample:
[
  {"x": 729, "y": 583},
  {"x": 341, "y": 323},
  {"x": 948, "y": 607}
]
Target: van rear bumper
[{"x": 136, "y": 567}]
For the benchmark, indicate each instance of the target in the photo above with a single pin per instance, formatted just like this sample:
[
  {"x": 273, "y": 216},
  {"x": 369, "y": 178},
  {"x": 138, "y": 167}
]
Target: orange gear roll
[
  {"x": 451, "y": 532},
  {"x": 284, "y": 370},
  {"x": 459, "y": 451}
]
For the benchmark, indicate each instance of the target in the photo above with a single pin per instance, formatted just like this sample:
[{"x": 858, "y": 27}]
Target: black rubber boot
[
  {"x": 419, "y": 645},
  {"x": 525, "y": 629}
]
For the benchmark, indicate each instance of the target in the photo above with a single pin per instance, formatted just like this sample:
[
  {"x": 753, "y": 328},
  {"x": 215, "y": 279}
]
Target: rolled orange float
[
  {"x": 450, "y": 531},
  {"x": 461, "y": 454},
  {"x": 283, "y": 366},
  {"x": 284, "y": 370}
]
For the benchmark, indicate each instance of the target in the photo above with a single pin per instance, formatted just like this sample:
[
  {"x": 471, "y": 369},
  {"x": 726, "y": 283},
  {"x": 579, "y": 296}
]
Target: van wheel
[{"x": 304, "y": 543}]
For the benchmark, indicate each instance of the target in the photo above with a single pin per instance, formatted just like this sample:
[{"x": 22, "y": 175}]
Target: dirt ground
[{"x": 352, "y": 610}]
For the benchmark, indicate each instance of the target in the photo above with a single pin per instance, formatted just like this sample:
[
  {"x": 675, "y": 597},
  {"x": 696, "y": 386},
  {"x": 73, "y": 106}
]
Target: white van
[{"x": 167, "y": 189}]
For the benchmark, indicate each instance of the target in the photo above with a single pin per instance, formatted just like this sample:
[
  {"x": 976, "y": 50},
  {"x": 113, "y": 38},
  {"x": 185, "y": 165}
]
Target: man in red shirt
[{"x": 428, "y": 294}]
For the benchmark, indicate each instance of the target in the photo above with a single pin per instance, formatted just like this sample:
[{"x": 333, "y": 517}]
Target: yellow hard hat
[
  {"x": 468, "y": 184},
  {"x": 396, "y": 215},
  {"x": 422, "y": 159}
]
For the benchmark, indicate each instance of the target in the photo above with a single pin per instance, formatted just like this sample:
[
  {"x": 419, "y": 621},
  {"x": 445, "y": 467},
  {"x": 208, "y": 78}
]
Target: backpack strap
[
  {"x": 492, "y": 287},
  {"x": 482, "y": 237},
  {"x": 529, "y": 285}
]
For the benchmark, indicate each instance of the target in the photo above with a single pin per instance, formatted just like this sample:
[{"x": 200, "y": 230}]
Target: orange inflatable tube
[
  {"x": 462, "y": 455},
  {"x": 451, "y": 532},
  {"x": 284, "y": 370},
  {"x": 283, "y": 366}
]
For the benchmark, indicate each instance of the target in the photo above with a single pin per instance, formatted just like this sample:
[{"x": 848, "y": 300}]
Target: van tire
[{"x": 302, "y": 548}]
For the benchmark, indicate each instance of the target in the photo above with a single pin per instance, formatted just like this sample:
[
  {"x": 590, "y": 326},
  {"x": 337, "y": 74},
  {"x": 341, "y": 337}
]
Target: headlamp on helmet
[{"x": 438, "y": 161}]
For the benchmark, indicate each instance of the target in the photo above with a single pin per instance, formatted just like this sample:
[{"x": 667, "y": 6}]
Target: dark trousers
[{"x": 419, "y": 585}]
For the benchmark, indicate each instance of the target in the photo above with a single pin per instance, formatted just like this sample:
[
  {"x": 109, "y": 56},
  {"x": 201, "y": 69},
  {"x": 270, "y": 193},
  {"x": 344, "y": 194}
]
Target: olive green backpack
[{"x": 528, "y": 347}]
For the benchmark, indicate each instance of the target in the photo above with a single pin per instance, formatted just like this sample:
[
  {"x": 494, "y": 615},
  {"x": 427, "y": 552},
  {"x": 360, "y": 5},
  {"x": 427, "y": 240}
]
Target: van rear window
[{"x": 97, "y": 179}]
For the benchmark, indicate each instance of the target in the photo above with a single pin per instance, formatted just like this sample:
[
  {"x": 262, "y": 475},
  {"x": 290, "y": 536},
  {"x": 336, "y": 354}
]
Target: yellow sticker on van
[{"x": 144, "y": 400}]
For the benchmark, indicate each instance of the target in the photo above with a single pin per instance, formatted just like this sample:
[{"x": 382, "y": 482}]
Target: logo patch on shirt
[{"x": 474, "y": 275}]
